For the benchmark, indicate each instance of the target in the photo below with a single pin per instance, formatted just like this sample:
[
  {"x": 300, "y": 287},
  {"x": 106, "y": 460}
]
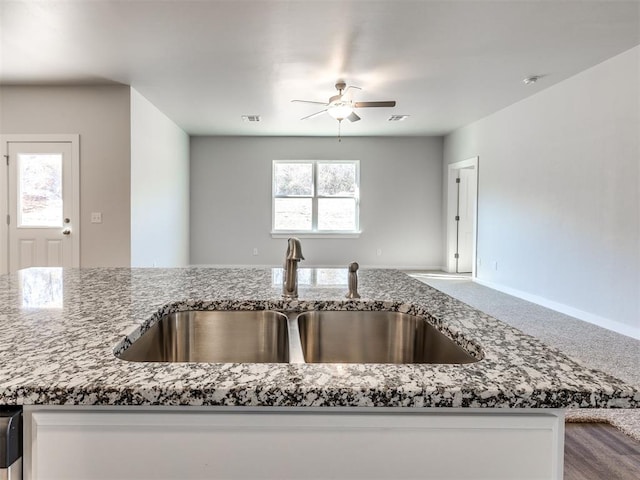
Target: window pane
[
  {"x": 293, "y": 178},
  {"x": 336, "y": 179},
  {"x": 292, "y": 214},
  {"x": 336, "y": 214},
  {"x": 40, "y": 190}
]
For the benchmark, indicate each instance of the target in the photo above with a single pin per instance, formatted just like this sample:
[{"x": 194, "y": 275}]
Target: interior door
[
  {"x": 41, "y": 205},
  {"x": 466, "y": 209}
]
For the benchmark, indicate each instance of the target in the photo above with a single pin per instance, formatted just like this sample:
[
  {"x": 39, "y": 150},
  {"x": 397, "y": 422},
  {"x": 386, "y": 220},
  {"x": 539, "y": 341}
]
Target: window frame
[{"x": 315, "y": 232}]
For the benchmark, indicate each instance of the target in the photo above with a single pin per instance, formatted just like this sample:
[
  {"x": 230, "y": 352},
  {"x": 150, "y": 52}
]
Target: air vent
[
  {"x": 250, "y": 118},
  {"x": 530, "y": 80},
  {"x": 397, "y": 118}
]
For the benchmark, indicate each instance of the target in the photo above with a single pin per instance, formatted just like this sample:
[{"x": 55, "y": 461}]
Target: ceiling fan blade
[
  {"x": 353, "y": 117},
  {"x": 391, "y": 103},
  {"x": 350, "y": 87},
  {"x": 314, "y": 114},
  {"x": 310, "y": 101}
]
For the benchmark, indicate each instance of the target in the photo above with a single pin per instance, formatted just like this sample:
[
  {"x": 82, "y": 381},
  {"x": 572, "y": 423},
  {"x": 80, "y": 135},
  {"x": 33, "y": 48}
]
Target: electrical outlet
[
  {"x": 379, "y": 252},
  {"x": 96, "y": 217},
  {"x": 255, "y": 251}
]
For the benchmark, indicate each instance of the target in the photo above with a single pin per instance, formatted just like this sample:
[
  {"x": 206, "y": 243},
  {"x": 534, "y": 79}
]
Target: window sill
[{"x": 281, "y": 234}]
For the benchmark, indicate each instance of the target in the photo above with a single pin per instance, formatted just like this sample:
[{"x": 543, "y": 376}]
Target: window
[{"x": 315, "y": 196}]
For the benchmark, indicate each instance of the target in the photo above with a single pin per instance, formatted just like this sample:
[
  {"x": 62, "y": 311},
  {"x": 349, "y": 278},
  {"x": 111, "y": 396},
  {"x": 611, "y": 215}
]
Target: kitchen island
[{"x": 62, "y": 328}]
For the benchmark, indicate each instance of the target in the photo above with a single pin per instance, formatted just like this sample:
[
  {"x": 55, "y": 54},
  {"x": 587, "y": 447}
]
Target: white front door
[{"x": 42, "y": 204}]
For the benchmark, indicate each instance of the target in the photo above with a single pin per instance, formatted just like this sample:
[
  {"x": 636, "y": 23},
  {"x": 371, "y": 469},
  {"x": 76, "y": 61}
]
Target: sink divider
[{"x": 295, "y": 345}]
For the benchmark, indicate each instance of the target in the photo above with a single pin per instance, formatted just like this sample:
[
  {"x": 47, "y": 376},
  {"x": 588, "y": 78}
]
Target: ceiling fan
[{"x": 341, "y": 107}]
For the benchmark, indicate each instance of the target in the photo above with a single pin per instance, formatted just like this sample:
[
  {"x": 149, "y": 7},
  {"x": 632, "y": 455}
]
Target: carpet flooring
[{"x": 587, "y": 344}]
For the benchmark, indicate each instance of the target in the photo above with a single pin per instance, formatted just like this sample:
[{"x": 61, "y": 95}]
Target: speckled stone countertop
[{"x": 59, "y": 330}]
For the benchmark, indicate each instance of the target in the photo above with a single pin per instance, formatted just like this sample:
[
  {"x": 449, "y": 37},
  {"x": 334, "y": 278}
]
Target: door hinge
[
  {"x": 8, "y": 219},
  {"x": 457, "y": 218},
  {"x": 456, "y": 256},
  {"x": 6, "y": 157},
  {"x": 458, "y": 180}
]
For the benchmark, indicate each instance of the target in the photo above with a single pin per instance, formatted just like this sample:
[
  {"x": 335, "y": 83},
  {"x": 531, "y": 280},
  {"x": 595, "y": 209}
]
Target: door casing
[{"x": 452, "y": 194}]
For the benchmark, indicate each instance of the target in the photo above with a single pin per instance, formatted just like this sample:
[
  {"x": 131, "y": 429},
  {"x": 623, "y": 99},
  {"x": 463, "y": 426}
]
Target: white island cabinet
[{"x": 244, "y": 443}]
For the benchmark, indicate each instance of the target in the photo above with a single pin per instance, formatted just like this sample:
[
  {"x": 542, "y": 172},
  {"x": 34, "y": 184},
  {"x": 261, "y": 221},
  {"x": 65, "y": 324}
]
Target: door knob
[{"x": 66, "y": 231}]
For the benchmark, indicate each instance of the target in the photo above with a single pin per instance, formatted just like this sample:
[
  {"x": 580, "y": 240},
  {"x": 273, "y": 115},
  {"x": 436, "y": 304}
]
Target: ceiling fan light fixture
[{"x": 340, "y": 111}]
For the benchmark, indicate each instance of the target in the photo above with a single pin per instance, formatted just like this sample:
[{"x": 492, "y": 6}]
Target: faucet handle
[{"x": 294, "y": 249}]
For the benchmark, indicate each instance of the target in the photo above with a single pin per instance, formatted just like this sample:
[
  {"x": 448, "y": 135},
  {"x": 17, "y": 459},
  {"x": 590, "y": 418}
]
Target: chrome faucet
[
  {"x": 353, "y": 280},
  {"x": 290, "y": 273}
]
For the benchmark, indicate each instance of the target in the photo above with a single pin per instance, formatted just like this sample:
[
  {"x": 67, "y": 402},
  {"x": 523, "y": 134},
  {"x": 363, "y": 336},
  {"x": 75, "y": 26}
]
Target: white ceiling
[{"x": 206, "y": 63}]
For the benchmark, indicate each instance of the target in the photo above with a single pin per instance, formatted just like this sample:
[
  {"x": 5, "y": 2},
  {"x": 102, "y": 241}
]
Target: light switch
[{"x": 96, "y": 217}]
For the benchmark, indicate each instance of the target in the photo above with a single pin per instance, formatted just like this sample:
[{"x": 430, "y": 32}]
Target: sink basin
[
  {"x": 311, "y": 337},
  {"x": 375, "y": 337},
  {"x": 214, "y": 336}
]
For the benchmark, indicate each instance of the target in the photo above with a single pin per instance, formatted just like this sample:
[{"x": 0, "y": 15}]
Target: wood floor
[{"x": 598, "y": 451}]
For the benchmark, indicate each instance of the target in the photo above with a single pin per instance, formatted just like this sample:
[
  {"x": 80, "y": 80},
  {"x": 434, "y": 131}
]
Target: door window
[{"x": 39, "y": 190}]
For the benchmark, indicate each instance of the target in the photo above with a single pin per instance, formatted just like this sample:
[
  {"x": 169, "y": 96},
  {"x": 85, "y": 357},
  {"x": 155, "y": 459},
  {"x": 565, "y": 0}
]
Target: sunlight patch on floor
[{"x": 438, "y": 274}]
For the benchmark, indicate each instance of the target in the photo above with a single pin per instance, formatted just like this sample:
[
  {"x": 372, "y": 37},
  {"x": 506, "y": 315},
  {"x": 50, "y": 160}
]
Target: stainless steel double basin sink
[{"x": 308, "y": 337}]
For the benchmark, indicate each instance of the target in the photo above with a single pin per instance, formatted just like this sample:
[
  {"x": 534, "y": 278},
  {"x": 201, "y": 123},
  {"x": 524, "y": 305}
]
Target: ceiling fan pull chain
[{"x": 339, "y": 135}]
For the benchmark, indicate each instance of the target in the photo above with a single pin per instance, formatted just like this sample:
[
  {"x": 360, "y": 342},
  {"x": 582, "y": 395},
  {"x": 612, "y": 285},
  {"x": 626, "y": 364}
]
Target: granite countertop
[{"x": 59, "y": 329}]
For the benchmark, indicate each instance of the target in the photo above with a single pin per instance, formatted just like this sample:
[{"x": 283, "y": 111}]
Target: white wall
[
  {"x": 159, "y": 188},
  {"x": 100, "y": 115},
  {"x": 400, "y": 200},
  {"x": 559, "y": 204}
]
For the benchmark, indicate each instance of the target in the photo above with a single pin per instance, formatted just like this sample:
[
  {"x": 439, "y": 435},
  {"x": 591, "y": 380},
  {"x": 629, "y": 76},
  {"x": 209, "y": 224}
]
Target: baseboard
[{"x": 628, "y": 330}]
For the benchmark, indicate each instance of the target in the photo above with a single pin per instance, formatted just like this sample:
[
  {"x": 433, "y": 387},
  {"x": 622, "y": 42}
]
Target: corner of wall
[{"x": 159, "y": 187}]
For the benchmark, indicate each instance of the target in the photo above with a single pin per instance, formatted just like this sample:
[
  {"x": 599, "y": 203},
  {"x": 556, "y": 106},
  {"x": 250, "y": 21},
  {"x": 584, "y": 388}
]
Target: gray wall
[
  {"x": 559, "y": 205},
  {"x": 101, "y": 116},
  {"x": 400, "y": 211},
  {"x": 159, "y": 188}
]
